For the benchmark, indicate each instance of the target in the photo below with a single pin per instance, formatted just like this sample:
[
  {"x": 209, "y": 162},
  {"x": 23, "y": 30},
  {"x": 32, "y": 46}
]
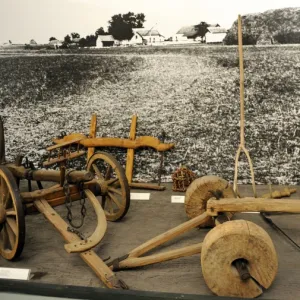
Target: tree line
[{"x": 120, "y": 27}]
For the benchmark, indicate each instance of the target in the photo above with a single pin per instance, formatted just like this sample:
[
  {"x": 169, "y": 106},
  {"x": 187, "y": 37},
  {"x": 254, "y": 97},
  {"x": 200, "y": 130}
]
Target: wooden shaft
[
  {"x": 130, "y": 152},
  {"x": 49, "y": 175},
  {"x": 240, "y": 39},
  {"x": 134, "y": 262},
  {"x": 168, "y": 235},
  {"x": 146, "y": 186},
  {"x": 144, "y": 141},
  {"x": 252, "y": 204},
  {"x": 93, "y": 132},
  {"x": 90, "y": 257},
  {"x": 286, "y": 192},
  {"x": 57, "y": 192}
]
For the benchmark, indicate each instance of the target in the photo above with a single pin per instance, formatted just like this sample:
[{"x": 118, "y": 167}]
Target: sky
[{"x": 23, "y": 20}]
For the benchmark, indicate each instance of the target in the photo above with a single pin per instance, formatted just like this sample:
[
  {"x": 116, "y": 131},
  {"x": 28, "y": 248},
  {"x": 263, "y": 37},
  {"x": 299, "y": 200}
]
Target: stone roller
[
  {"x": 203, "y": 189},
  {"x": 238, "y": 259}
]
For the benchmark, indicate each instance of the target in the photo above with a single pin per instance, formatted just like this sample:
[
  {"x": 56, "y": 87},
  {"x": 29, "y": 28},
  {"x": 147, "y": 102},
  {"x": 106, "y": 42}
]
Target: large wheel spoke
[
  {"x": 115, "y": 200},
  {"x": 11, "y": 212},
  {"x": 97, "y": 171},
  {"x": 115, "y": 191},
  {"x": 12, "y": 224},
  {"x": 11, "y": 236},
  {"x": 4, "y": 238},
  {"x": 112, "y": 181},
  {"x": 110, "y": 206},
  {"x": 108, "y": 172}
]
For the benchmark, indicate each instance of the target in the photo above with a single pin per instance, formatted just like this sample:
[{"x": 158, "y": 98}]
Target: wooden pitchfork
[{"x": 242, "y": 117}]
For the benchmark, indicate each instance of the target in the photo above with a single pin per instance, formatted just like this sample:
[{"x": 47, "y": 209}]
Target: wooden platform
[{"x": 44, "y": 250}]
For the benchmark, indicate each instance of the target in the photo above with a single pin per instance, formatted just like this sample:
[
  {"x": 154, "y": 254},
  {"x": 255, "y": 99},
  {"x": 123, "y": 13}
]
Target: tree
[
  {"x": 101, "y": 31},
  {"x": 91, "y": 40},
  {"x": 67, "y": 39},
  {"x": 75, "y": 35},
  {"x": 121, "y": 25},
  {"x": 201, "y": 29},
  {"x": 52, "y": 39}
]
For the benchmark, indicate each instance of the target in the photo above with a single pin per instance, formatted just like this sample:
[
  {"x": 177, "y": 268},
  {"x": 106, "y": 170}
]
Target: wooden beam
[
  {"x": 133, "y": 262},
  {"x": 93, "y": 132},
  {"x": 168, "y": 235},
  {"x": 130, "y": 152},
  {"x": 252, "y": 204}
]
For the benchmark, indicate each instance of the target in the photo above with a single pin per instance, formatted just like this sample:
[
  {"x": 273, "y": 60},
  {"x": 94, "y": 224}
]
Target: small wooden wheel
[
  {"x": 201, "y": 190},
  {"x": 12, "y": 220},
  {"x": 240, "y": 242},
  {"x": 114, "y": 186}
]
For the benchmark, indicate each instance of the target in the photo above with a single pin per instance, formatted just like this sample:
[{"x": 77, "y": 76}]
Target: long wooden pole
[
  {"x": 242, "y": 117},
  {"x": 242, "y": 79}
]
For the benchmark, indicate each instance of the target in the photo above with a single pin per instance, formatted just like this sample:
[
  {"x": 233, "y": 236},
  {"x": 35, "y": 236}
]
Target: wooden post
[
  {"x": 130, "y": 152},
  {"x": 93, "y": 131}
]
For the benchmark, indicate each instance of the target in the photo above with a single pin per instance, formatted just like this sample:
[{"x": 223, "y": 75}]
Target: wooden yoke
[{"x": 242, "y": 117}]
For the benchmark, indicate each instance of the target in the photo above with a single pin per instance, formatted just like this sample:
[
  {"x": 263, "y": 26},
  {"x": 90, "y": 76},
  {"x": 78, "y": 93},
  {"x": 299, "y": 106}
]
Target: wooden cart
[{"x": 104, "y": 178}]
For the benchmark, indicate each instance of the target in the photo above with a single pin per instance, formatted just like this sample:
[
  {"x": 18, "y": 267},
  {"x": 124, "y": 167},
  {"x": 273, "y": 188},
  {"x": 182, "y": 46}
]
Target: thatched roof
[
  {"x": 191, "y": 31},
  {"x": 146, "y": 32}
]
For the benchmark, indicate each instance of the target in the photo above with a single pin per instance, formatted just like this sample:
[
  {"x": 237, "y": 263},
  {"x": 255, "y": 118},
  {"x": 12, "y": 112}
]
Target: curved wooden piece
[
  {"x": 237, "y": 240},
  {"x": 12, "y": 235},
  {"x": 96, "y": 237},
  {"x": 143, "y": 141}
]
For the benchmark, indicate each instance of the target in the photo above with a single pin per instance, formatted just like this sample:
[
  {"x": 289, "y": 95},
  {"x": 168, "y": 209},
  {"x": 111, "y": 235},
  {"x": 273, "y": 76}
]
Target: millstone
[
  {"x": 201, "y": 190},
  {"x": 238, "y": 240}
]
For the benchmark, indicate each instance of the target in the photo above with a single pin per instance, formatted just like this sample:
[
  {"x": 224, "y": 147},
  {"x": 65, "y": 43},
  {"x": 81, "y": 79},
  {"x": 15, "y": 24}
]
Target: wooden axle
[
  {"x": 56, "y": 192},
  {"x": 48, "y": 175},
  {"x": 214, "y": 207}
]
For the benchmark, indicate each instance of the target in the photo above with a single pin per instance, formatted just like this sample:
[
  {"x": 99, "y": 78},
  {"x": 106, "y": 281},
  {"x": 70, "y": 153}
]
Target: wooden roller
[
  {"x": 201, "y": 190},
  {"x": 238, "y": 241}
]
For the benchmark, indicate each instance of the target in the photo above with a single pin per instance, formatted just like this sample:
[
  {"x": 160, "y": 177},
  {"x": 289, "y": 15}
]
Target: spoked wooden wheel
[
  {"x": 114, "y": 186},
  {"x": 12, "y": 220}
]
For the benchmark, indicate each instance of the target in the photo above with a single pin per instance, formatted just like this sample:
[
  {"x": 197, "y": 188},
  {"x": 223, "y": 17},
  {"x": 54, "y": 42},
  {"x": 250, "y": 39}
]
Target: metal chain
[{"x": 68, "y": 204}]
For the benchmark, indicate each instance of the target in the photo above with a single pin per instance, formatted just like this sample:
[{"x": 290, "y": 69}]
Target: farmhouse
[
  {"x": 187, "y": 33},
  {"x": 215, "y": 35},
  {"x": 105, "y": 41},
  {"x": 143, "y": 36}
]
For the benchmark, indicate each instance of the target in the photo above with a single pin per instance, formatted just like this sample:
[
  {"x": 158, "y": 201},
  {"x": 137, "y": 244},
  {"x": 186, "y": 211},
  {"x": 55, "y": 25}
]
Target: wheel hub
[{"x": 2, "y": 215}]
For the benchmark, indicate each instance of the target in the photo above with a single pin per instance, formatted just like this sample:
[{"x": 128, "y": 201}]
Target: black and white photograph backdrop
[{"x": 173, "y": 63}]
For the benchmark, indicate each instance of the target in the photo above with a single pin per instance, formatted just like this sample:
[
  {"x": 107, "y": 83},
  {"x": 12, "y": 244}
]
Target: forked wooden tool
[{"x": 242, "y": 117}]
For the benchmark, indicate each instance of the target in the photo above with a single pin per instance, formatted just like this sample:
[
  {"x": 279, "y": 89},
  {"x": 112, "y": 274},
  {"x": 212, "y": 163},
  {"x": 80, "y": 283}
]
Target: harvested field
[{"x": 192, "y": 93}]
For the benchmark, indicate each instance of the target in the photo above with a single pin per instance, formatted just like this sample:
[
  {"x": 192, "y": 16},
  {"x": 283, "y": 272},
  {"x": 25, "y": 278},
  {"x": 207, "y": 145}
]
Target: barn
[{"x": 105, "y": 41}]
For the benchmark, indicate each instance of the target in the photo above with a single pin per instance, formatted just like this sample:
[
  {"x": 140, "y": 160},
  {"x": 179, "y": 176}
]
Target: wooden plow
[
  {"x": 92, "y": 142},
  {"x": 104, "y": 177},
  {"x": 237, "y": 257}
]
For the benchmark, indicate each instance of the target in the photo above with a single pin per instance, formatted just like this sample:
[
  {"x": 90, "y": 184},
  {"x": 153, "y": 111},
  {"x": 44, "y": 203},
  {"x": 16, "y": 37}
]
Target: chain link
[{"x": 68, "y": 204}]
